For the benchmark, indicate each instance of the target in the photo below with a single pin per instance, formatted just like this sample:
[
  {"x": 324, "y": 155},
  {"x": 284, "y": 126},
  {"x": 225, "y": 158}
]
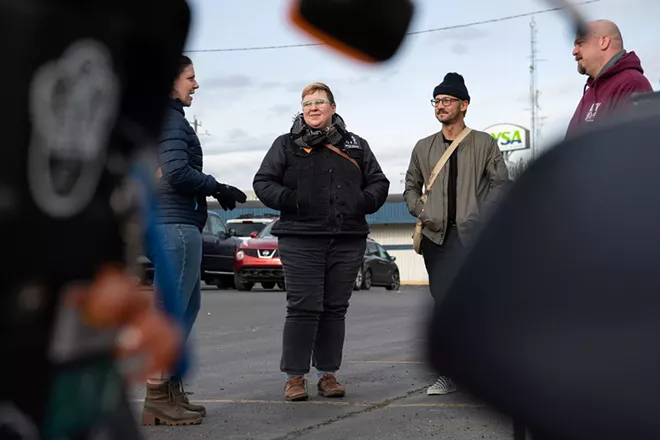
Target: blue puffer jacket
[{"x": 183, "y": 186}]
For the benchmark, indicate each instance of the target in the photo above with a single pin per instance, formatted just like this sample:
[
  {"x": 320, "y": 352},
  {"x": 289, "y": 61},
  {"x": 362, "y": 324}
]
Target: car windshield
[
  {"x": 245, "y": 229},
  {"x": 265, "y": 232}
]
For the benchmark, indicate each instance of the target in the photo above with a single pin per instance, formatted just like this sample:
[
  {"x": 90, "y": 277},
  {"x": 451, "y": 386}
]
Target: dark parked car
[
  {"x": 378, "y": 269},
  {"x": 219, "y": 248}
]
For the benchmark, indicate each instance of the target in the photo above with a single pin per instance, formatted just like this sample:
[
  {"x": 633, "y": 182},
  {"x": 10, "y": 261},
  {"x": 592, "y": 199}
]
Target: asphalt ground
[{"x": 236, "y": 375}]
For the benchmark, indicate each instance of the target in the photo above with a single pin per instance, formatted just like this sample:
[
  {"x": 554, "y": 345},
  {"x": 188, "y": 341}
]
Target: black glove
[{"x": 228, "y": 195}]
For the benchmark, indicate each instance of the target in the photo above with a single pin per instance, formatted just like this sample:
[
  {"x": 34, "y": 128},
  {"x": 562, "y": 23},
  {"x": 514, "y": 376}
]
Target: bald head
[
  {"x": 594, "y": 50},
  {"x": 609, "y": 29}
]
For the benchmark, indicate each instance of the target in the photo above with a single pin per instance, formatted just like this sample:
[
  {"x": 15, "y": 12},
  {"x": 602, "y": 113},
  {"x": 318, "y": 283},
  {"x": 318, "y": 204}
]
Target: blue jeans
[{"x": 183, "y": 247}]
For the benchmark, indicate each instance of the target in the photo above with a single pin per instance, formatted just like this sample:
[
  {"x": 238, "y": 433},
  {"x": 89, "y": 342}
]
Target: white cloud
[
  {"x": 237, "y": 140},
  {"x": 237, "y": 169}
]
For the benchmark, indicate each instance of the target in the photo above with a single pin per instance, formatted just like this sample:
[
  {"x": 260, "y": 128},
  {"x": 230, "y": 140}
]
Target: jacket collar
[
  {"x": 177, "y": 105},
  {"x": 615, "y": 59}
]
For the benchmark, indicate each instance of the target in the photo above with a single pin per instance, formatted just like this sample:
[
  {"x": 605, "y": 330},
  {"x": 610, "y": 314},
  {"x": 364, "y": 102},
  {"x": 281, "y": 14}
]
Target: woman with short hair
[{"x": 324, "y": 180}]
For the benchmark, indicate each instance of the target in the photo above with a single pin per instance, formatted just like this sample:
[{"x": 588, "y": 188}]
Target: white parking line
[
  {"x": 336, "y": 403},
  {"x": 386, "y": 362}
]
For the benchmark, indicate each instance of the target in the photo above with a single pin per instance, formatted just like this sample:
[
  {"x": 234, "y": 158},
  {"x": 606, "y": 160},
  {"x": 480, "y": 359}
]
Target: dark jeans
[
  {"x": 183, "y": 247},
  {"x": 443, "y": 262},
  {"x": 319, "y": 273}
]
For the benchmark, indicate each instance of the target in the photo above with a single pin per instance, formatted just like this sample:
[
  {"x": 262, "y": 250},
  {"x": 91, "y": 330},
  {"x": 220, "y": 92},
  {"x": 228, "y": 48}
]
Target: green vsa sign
[{"x": 510, "y": 137}]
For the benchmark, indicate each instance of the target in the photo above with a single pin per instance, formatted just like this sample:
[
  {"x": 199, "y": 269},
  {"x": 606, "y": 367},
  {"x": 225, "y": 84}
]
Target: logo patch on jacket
[{"x": 352, "y": 144}]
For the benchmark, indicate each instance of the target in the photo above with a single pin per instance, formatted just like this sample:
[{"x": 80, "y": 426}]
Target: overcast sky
[{"x": 247, "y": 98}]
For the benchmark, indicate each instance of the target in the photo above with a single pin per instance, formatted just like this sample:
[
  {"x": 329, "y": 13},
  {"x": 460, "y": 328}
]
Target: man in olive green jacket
[{"x": 469, "y": 185}]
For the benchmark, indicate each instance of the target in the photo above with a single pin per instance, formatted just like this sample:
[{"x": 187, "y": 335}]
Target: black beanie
[{"x": 452, "y": 85}]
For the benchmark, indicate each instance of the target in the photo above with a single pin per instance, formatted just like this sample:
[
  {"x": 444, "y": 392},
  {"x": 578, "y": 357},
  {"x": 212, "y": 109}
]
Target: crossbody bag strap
[
  {"x": 341, "y": 153},
  {"x": 445, "y": 157}
]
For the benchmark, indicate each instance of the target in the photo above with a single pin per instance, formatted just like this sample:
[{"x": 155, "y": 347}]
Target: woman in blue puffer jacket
[{"x": 182, "y": 193}]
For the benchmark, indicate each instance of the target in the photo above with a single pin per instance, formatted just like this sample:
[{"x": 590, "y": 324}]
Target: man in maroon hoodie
[{"x": 614, "y": 74}]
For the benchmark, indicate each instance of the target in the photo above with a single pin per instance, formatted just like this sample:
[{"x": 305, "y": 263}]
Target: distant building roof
[{"x": 394, "y": 211}]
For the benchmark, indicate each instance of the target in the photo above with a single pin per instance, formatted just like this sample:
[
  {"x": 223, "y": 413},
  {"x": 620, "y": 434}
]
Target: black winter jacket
[
  {"x": 321, "y": 192},
  {"x": 183, "y": 186}
]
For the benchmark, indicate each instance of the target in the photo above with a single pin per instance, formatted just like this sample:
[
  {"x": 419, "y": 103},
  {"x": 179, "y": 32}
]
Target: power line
[
  {"x": 496, "y": 20},
  {"x": 425, "y": 31},
  {"x": 245, "y": 49}
]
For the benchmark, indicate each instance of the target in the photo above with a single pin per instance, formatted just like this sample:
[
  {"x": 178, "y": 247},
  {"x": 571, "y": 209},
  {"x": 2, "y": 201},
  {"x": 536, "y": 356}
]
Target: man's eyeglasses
[
  {"x": 315, "y": 101},
  {"x": 444, "y": 101}
]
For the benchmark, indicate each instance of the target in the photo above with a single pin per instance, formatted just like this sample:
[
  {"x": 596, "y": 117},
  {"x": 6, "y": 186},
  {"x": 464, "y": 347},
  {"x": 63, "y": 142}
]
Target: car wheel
[
  {"x": 358, "y": 281},
  {"x": 367, "y": 281},
  {"x": 281, "y": 285},
  {"x": 224, "y": 283},
  {"x": 268, "y": 285},
  {"x": 396, "y": 281},
  {"x": 242, "y": 285}
]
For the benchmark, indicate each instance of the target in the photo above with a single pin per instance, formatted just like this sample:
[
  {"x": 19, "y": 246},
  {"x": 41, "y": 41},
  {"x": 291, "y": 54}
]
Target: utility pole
[
  {"x": 533, "y": 92},
  {"x": 196, "y": 123}
]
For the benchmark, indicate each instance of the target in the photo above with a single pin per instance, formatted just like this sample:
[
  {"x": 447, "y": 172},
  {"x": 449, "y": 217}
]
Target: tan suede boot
[
  {"x": 160, "y": 408},
  {"x": 181, "y": 397}
]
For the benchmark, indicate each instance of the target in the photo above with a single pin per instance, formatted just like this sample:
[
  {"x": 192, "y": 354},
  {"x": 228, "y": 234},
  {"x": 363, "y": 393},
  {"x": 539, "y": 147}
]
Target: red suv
[{"x": 257, "y": 261}]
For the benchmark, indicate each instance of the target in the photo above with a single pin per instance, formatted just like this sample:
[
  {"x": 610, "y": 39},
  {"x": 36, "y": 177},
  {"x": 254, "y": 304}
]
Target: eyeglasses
[
  {"x": 315, "y": 101},
  {"x": 444, "y": 101}
]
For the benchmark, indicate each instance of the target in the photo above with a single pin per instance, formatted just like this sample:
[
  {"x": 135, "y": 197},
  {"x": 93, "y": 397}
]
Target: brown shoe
[
  {"x": 295, "y": 389},
  {"x": 181, "y": 398},
  {"x": 329, "y": 387},
  {"x": 161, "y": 409}
]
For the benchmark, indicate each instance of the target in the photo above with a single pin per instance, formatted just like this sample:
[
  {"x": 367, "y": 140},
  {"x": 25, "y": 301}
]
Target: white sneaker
[{"x": 443, "y": 385}]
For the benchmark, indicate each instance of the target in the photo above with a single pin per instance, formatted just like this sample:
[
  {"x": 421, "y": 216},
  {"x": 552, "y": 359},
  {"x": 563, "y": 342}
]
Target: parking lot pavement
[{"x": 237, "y": 377}]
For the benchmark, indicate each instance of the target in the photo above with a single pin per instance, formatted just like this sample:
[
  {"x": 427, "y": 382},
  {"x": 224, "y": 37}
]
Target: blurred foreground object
[
  {"x": 553, "y": 318},
  {"x": 89, "y": 86},
  {"x": 114, "y": 302},
  {"x": 372, "y": 31},
  {"x": 367, "y": 30}
]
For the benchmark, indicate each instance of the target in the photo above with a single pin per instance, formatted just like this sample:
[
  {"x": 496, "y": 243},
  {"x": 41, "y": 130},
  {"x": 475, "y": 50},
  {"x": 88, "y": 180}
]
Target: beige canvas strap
[{"x": 445, "y": 157}]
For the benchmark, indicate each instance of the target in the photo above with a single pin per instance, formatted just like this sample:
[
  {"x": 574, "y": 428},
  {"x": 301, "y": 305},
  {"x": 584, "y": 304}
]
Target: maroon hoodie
[{"x": 609, "y": 92}]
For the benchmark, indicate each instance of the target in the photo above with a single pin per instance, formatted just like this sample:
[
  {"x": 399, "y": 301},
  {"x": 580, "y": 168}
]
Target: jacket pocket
[
  {"x": 290, "y": 202},
  {"x": 433, "y": 213},
  {"x": 352, "y": 200},
  {"x": 304, "y": 186},
  {"x": 303, "y": 203}
]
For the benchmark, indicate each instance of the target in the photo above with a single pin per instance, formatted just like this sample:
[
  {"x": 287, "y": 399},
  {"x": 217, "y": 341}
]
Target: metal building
[{"x": 392, "y": 226}]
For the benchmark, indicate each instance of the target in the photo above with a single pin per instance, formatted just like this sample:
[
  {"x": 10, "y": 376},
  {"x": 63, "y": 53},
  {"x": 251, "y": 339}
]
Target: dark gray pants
[
  {"x": 319, "y": 273},
  {"x": 443, "y": 262}
]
